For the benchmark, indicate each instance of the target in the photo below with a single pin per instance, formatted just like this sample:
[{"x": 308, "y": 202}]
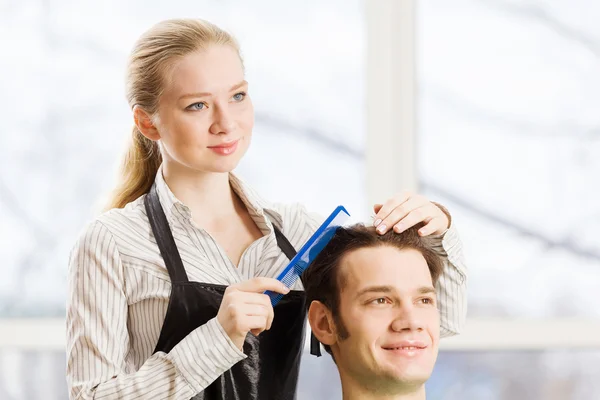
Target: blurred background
[{"x": 486, "y": 106}]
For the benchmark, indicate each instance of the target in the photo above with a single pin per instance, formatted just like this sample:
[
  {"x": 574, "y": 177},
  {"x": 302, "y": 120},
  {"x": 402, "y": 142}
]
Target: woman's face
[{"x": 205, "y": 115}]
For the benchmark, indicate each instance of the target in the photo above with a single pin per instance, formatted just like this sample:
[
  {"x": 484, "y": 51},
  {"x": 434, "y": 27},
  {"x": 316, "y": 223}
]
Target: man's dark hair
[{"x": 323, "y": 282}]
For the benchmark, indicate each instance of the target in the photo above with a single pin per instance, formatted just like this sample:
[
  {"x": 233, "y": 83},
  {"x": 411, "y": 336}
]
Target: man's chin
[
  {"x": 393, "y": 382},
  {"x": 412, "y": 372}
]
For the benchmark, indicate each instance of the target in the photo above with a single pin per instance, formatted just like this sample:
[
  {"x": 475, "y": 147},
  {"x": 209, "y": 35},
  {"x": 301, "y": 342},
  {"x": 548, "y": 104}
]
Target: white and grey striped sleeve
[
  {"x": 452, "y": 283},
  {"x": 98, "y": 340}
]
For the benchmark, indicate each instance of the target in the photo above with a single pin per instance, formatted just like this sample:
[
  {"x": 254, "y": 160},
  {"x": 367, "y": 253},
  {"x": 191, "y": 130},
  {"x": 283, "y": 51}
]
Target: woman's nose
[{"x": 223, "y": 121}]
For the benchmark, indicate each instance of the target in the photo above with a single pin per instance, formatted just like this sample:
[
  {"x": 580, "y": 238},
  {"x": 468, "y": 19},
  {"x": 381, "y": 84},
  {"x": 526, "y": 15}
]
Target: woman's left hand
[{"x": 406, "y": 210}]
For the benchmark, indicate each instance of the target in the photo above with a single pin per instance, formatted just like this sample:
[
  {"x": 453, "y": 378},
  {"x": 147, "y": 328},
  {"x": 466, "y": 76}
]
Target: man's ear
[
  {"x": 144, "y": 123},
  {"x": 321, "y": 323}
]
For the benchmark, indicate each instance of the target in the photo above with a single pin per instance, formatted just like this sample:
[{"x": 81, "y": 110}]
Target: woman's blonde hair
[{"x": 149, "y": 65}]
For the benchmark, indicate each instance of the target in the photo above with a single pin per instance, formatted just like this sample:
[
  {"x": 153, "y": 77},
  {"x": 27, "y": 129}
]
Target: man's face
[{"x": 389, "y": 308}]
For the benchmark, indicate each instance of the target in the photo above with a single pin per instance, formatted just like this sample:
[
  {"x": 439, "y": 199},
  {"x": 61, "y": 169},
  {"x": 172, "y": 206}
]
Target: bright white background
[{"x": 500, "y": 107}]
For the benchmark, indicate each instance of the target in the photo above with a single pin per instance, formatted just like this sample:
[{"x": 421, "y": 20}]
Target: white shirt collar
[{"x": 256, "y": 205}]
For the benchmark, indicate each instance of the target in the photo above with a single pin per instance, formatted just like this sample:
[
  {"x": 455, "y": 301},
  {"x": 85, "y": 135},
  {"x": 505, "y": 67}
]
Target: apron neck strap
[
  {"x": 164, "y": 237},
  {"x": 284, "y": 244}
]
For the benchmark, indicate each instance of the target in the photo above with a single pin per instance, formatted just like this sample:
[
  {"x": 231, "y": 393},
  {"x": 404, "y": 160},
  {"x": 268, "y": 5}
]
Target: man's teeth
[{"x": 404, "y": 348}]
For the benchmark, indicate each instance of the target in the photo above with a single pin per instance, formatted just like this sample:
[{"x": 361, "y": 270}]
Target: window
[
  {"x": 507, "y": 98},
  {"x": 69, "y": 119}
]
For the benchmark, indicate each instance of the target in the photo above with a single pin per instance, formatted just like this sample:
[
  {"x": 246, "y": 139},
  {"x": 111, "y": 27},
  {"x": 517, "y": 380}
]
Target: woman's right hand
[{"x": 245, "y": 308}]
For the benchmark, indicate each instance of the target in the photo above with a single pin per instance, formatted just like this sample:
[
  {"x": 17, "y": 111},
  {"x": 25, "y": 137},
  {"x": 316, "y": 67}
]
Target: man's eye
[
  {"x": 427, "y": 300},
  {"x": 381, "y": 300}
]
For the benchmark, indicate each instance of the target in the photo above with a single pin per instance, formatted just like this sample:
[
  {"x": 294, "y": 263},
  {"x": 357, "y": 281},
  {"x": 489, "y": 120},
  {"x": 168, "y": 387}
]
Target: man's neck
[{"x": 355, "y": 391}]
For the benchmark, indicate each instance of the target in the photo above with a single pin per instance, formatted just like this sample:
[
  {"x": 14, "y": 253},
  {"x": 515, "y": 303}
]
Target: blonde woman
[{"x": 166, "y": 287}]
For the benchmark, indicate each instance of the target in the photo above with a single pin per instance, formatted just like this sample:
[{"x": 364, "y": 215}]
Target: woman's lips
[{"x": 225, "y": 148}]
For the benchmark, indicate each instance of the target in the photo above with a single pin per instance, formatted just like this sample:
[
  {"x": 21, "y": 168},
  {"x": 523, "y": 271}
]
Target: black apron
[{"x": 271, "y": 368}]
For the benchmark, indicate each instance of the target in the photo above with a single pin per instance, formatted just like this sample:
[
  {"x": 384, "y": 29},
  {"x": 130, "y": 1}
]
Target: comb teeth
[
  {"x": 309, "y": 251},
  {"x": 275, "y": 297},
  {"x": 288, "y": 280}
]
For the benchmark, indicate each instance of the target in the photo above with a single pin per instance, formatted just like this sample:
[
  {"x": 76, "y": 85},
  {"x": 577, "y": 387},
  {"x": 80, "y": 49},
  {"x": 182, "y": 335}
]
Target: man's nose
[{"x": 407, "y": 319}]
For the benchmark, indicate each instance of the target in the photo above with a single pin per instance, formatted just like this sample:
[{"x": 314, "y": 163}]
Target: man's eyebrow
[
  {"x": 426, "y": 290},
  {"x": 206, "y": 94},
  {"x": 390, "y": 289},
  {"x": 375, "y": 289}
]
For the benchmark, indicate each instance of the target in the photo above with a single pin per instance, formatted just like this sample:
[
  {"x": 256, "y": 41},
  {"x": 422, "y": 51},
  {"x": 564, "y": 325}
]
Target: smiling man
[{"x": 372, "y": 304}]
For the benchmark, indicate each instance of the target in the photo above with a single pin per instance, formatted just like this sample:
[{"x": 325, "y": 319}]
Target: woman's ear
[
  {"x": 321, "y": 323},
  {"x": 144, "y": 123}
]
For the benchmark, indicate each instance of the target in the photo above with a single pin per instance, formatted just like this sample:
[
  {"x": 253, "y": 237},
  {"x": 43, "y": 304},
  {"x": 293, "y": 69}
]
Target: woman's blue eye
[
  {"x": 197, "y": 106},
  {"x": 239, "y": 96}
]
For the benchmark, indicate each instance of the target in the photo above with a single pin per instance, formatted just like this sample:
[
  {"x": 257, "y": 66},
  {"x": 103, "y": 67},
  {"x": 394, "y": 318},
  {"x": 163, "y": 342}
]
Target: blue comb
[{"x": 310, "y": 251}]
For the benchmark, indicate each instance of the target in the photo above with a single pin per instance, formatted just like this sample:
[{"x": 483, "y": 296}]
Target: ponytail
[{"x": 138, "y": 170}]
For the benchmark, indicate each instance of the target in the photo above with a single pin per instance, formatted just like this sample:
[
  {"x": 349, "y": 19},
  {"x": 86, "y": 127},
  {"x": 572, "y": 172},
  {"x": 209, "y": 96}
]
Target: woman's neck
[{"x": 207, "y": 194}]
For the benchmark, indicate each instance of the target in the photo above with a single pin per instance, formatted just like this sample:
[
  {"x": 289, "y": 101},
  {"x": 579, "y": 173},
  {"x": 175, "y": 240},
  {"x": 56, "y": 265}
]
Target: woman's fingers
[
  {"x": 254, "y": 304},
  {"x": 389, "y": 206},
  {"x": 260, "y": 285},
  {"x": 245, "y": 308},
  {"x": 399, "y": 213},
  {"x": 411, "y": 219},
  {"x": 436, "y": 225},
  {"x": 406, "y": 210}
]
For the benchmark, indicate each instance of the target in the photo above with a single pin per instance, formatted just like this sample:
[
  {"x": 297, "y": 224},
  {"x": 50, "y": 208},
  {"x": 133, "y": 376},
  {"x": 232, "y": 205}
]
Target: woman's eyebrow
[{"x": 207, "y": 94}]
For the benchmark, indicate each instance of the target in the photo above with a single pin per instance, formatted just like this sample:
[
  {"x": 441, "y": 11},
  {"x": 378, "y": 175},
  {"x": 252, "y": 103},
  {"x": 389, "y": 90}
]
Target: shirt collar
[
  {"x": 256, "y": 205},
  {"x": 170, "y": 204}
]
